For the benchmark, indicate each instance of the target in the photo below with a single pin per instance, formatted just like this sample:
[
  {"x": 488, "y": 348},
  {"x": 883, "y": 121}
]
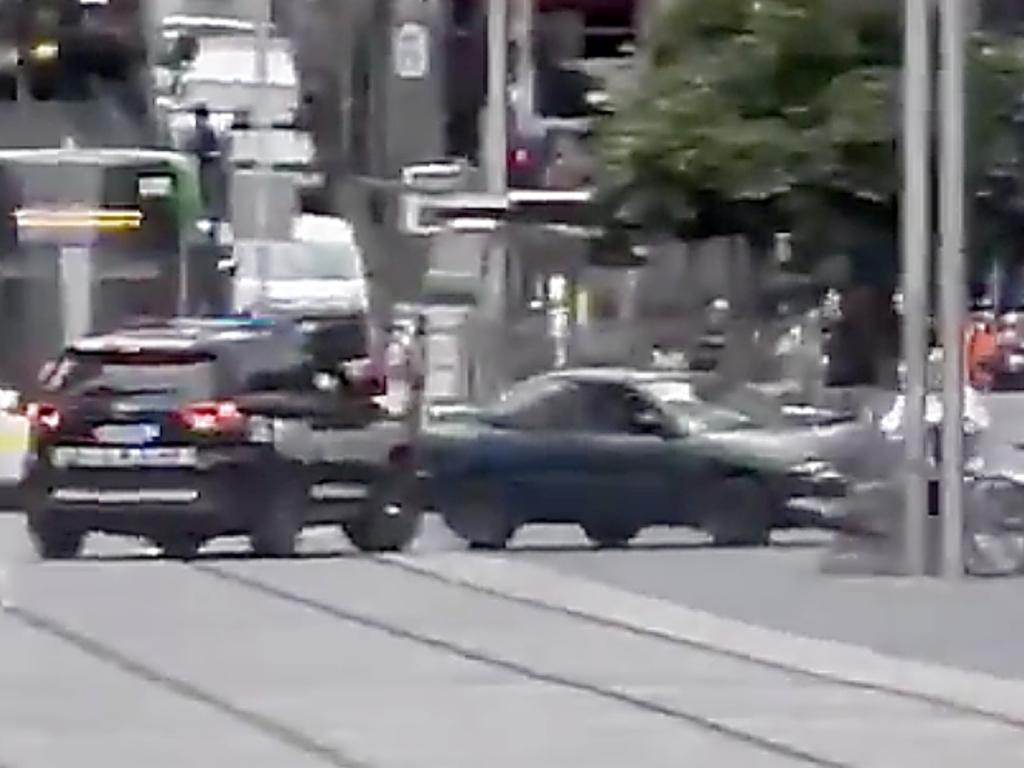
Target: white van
[{"x": 318, "y": 278}]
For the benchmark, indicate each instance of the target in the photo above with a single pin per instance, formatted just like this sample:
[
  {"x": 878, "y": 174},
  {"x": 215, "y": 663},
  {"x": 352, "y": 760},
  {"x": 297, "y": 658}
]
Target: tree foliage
[{"x": 751, "y": 113}]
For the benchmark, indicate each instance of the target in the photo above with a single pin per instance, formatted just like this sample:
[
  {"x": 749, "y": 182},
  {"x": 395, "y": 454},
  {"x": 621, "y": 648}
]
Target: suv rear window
[{"x": 188, "y": 377}]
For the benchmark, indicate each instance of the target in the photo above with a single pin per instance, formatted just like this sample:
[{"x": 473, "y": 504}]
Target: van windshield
[{"x": 301, "y": 261}]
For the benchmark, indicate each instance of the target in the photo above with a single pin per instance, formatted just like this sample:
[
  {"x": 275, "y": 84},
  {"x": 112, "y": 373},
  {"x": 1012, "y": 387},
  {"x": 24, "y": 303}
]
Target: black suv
[{"x": 190, "y": 429}]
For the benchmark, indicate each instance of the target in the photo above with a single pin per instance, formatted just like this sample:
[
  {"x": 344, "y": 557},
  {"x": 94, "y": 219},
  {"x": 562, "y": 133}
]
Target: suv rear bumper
[
  {"x": 145, "y": 502},
  {"x": 225, "y": 501}
]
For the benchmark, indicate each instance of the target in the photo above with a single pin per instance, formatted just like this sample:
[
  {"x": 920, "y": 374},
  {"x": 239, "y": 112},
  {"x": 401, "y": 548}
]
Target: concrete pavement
[
  {"x": 974, "y": 624},
  {"x": 444, "y": 657}
]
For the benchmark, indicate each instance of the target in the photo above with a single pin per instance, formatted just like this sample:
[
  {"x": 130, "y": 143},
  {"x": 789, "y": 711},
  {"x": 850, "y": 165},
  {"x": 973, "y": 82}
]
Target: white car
[
  {"x": 319, "y": 271},
  {"x": 179, "y": 28},
  {"x": 319, "y": 279},
  {"x": 224, "y": 76}
]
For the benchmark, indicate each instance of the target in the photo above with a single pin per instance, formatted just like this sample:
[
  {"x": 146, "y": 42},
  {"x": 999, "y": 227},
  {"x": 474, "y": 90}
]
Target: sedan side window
[
  {"x": 544, "y": 405},
  {"x": 616, "y": 409}
]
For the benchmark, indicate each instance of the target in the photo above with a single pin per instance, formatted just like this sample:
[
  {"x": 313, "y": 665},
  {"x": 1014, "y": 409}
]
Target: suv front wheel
[{"x": 391, "y": 518}]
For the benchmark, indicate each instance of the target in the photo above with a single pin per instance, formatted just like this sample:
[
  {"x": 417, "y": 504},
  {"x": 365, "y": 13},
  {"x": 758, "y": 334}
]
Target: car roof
[
  {"x": 317, "y": 228},
  {"x": 622, "y": 375},
  {"x": 189, "y": 21},
  {"x": 198, "y": 335}
]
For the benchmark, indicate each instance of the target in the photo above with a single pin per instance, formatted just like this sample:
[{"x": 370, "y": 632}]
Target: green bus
[{"x": 92, "y": 238}]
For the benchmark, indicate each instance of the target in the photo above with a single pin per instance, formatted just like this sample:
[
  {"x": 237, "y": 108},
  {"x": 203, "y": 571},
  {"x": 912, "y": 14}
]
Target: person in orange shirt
[{"x": 982, "y": 349}]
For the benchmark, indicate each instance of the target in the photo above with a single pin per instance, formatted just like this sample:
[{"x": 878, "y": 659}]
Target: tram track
[
  {"x": 605, "y": 622},
  {"x": 311, "y": 745},
  {"x": 131, "y": 665},
  {"x": 523, "y": 670}
]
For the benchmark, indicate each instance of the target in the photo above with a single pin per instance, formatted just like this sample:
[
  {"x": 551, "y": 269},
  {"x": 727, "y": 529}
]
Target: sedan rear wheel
[{"x": 480, "y": 522}]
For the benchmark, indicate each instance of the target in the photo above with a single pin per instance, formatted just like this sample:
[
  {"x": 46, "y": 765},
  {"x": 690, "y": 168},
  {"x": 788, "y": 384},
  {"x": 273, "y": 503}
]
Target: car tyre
[
  {"x": 391, "y": 519},
  {"x": 277, "y": 527},
  {"x": 53, "y": 541},
  {"x": 741, "y": 515},
  {"x": 480, "y": 521},
  {"x": 610, "y": 534},
  {"x": 179, "y": 547}
]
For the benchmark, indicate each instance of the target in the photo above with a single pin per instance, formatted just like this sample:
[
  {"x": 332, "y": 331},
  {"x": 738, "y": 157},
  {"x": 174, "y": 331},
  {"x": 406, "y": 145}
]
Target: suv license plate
[
  {"x": 127, "y": 434},
  {"x": 115, "y": 458}
]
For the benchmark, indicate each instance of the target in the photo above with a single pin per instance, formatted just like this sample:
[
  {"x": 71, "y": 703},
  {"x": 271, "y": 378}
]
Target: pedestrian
[
  {"x": 207, "y": 148},
  {"x": 981, "y": 351}
]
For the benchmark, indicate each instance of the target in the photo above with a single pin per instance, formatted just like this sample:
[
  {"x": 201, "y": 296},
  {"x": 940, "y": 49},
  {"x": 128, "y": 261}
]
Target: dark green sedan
[{"x": 615, "y": 451}]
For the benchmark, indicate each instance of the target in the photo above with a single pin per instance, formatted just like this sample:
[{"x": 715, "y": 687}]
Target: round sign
[{"x": 412, "y": 51}]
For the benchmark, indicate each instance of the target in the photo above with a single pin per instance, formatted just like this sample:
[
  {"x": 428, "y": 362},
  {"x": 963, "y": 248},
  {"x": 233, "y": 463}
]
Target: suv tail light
[
  {"x": 43, "y": 416},
  {"x": 213, "y": 417},
  {"x": 364, "y": 378}
]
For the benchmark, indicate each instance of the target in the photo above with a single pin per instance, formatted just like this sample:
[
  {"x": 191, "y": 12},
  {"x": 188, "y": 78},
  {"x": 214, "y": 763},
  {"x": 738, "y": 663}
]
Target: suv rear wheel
[
  {"x": 278, "y": 523},
  {"x": 179, "y": 546},
  {"x": 53, "y": 541},
  {"x": 391, "y": 519}
]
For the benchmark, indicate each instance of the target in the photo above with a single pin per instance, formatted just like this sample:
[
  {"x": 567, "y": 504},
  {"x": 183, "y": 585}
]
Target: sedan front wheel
[{"x": 741, "y": 514}]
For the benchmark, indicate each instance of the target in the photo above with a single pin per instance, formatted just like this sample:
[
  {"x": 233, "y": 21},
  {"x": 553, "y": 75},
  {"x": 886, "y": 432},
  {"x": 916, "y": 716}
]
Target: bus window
[{"x": 126, "y": 218}]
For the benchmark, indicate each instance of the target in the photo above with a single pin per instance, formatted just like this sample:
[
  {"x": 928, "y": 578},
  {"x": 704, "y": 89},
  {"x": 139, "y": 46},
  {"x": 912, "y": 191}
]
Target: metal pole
[
  {"x": 496, "y": 179},
  {"x": 916, "y": 243},
  {"x": 953, "y": 280},
  {"x": 496, "y": 121},
  {"x": 525, "y": 63},
  {"x": 262, "y": 123}
]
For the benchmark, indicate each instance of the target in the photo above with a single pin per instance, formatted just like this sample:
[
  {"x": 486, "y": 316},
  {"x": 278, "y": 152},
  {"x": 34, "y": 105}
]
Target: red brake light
[
  {"x": 520, "y": 158},
  {"x": 214, "y": 416},
  {"x": 43, "y": 415}
]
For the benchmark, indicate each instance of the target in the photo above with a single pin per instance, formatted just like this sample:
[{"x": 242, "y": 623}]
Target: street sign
[
  {"x": 412, "y": 51},
  {"x": 436, "y": 178},
  {"x": 468, "y": 212}
]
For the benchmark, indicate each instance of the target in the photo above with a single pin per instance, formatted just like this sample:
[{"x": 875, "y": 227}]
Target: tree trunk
[{"x": 740, "y": 356}]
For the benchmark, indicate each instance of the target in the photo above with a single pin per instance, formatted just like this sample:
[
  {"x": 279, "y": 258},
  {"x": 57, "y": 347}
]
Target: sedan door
[
  {"x": 632, "y": 456},
  {"x": 530, "y": 455}
]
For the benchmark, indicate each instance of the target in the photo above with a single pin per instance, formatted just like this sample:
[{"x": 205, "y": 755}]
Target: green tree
[{"x": 751, "y": 116}]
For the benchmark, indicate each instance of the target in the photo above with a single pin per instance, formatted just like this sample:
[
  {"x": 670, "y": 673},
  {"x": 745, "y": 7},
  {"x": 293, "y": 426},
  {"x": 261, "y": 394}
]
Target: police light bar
[{"x": 99, "y": 219}]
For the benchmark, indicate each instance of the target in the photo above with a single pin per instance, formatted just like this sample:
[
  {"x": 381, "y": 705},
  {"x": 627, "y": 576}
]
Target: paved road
[{"x": 447, "y": 658}]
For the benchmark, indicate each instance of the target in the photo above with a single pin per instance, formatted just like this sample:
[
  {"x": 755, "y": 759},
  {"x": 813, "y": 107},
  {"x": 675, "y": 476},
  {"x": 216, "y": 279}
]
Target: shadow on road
[
  {"x": 212, "y": 557},
  {"x": 657, "y": 546}
]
